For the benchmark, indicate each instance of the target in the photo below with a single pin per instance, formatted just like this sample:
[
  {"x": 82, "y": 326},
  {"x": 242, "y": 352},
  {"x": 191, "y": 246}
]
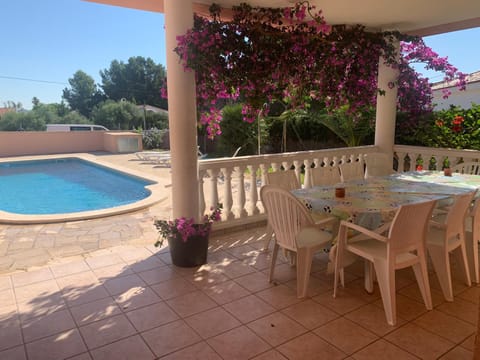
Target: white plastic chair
[
  {"x": 326, "y": 175},
  {"x": 352, "y": 171},
  {"x": 403, "y": 246},
  {"x": 286, "y": 180},
  {"x": 295, "y": 231},
  {"x": 472, "y": 237},
  {"x": 447, "y": 236},
  {"x": 472, "y": 168},
  {"x": 378, "y": 164}
]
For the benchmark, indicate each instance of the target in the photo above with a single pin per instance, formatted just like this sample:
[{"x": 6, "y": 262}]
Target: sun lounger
[{"x": 148, "y": 155}]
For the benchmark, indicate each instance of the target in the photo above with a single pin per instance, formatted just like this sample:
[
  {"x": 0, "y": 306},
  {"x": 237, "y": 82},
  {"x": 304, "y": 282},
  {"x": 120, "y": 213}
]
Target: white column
[
  {"x": 182, "y": 114},
  {"x": 386, "y": 107}
]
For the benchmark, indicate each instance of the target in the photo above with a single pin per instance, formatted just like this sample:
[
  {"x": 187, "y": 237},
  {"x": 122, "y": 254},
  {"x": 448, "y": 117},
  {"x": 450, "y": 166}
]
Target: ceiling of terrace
[{"x": 422, "y": 17}]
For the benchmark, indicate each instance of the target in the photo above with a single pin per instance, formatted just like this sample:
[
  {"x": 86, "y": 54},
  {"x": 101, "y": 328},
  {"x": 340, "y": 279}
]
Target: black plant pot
[{"x": 190, "y": 253}]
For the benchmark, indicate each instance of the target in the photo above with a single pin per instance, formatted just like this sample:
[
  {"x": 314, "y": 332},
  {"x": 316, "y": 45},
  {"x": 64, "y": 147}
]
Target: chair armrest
[
  {"x": 326, "y": 221},
  {"x": 362, "y": 230},
  {"x": 437, "y": 225}
]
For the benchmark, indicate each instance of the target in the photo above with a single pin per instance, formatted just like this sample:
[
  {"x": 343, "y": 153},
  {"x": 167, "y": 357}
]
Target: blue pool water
[{"x": 65, "y": 186}]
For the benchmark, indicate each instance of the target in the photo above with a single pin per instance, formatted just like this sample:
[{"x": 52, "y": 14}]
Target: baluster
[
  {"x": 241, "y": 212},
  {"x": 308, "y": 168},
  {"x": 253, "y": 190},
  {"x": 401, "y": 161},
  {"x": 263, "y": 171},
  {"x": 201, "y": 194},
  {"x": 298, "y": 171},
  {"x": 227, "y": 194},
  {"x": 213, "y": 174}
]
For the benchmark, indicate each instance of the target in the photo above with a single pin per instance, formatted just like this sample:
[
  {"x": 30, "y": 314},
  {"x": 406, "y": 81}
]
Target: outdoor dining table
[{"x": 374, "y": 201}]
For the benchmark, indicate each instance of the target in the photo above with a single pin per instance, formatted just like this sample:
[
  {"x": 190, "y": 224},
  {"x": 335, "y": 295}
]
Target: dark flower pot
[{"x": 190, "y": 253}]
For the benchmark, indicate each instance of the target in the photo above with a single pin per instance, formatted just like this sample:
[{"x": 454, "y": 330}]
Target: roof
[
  {"x": 471, "y": 78},
  {"x": 5, "y": 110}
]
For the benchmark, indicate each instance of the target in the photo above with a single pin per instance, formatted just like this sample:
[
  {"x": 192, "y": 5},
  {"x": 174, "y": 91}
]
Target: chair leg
[
  {"x": 441, "y": 264},
  {"x": 421, "y": 274},
  {"x": 268, "y": 236},
  {"x": 304, "y": 265},
  {"x": 386, "y": 283},
  {"x": 273, "y": 261},
  {"x": 369, "y": 276},
  {"x": 461, "y": 258}
]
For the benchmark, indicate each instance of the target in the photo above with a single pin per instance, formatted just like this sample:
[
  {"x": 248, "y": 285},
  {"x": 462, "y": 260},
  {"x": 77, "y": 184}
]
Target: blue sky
[{"x": 49, "y": 40}]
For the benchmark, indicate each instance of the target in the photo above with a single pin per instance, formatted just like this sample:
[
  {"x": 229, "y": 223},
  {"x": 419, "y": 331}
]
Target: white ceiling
[{"x": 422, "y": 17}]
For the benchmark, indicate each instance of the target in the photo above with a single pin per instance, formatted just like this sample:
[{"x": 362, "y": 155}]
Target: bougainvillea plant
[{"x": 291, "y": 55}]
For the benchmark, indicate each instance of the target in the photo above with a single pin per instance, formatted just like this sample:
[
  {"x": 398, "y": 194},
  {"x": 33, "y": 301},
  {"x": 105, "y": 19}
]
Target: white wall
[{"x": 463, "y": 99}]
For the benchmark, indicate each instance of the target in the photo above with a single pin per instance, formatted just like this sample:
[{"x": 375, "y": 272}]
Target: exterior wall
[
  {"x": 18, "y": 143},
  {"x": 463, "y": 99}
]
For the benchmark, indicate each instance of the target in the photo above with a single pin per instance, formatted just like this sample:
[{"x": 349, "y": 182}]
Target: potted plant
[
  {"x": 419, "y": 164},
  {"x": 187, "y": 240},
  {"x": 447, "y": 171}
]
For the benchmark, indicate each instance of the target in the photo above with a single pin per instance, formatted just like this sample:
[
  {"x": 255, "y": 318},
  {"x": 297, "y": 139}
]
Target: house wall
[
  {"x": 17, "y": 143},
  {"x": 463, "y": 99}
]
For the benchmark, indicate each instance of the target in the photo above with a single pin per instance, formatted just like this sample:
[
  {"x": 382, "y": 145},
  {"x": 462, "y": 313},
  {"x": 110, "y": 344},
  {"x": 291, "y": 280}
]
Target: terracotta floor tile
[
  {"x": 115, "y": 270},
  {"x": 69, "y": 268},
  {"x": 315, "y": 286},
  {"x": 136, "y": 298},
  {"x": 407, "y": 308},
  {"x": 170, "y": 289},
  {"x": 16, "y": 353},
  {"x": 373, "y": 318},
  {"x": 238, "y": 344},
  {"x": 212, "y": 322},
  {"x": 236, "y": 269},
  {"x": 151, "y": 316},
  {"x": 5, "y": 283},
  {"x": 94, "y": 311},
  {"x": 431, "y": 346},
  {"x": 43, "y": 326},
  {"x": 270, "y": 355},
  {"x": 309, "y": 346},
  {"x": 249, "y": 308},
  {"x": 346, "y": 335},
  {"x": 96, "y": 262},
  {"x": 81, "y": 295},
  {"x": 382, "y": 349},
  {"x": 254, "y": 282},
  {"x": 445, "y": 325},
  {"x": 276, "y": 328},
  {"x": 123, "y": 284},
  {"x": 226, "y": 292},
  {"x": 200, "y": 350},
  {"x": 202, "y": 279},
  {"x": 10, "y": 333},
  {"x": 280, "y": 296},
  {"x": 38, "y": 291},
  {"x": 7, "y": 297},
  {"x": 191, "y": 303},
  {"x": 471, "y": 294},
  {"x": 412, "y": 291},
  {"x": 105, "y": 331},
  {"x": 458, "y": 353},
  {"x": 133, "y": 253},
  {"x": 461, "y": 309},
  {"x": 130, "y": 348},
  {"x": 57, "y": 347},
  {"x": 469, "y": 343},
  {"x": 84, "y": 356},
  {"x": 342, "y": 304},
  {"x": 42, "y": 305},
  {"x": 145, "y": 264},
  {"x": 30, "y": 277},
  {"x": 158, "y": 275},
  {"x": 310, "y": 314},
  {"x": 283, "y": 273},
  {"x": 357, "y": 288},
  {"x": 82, "y": 279},
  {"x": 171, "y": 337},
  {"x": 243, "y": 251}
]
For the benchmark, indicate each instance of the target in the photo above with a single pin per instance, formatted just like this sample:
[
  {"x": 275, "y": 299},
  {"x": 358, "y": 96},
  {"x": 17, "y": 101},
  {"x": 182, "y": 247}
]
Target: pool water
[{"x": 62, "y": 186}]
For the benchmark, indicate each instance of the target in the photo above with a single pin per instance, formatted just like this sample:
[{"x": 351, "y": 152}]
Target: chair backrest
[
  {"x": 472, "y": 168},
  {"x": 285, "y": 179},
  {"x": 286, "y": 214},
  {"x": 378, "y": 164},
  {"x": 352, "y": 171},
  {"x": 457, "y": 213},
  {"x": 326, "y": 175},
  {"x": 409, "y": 227}
]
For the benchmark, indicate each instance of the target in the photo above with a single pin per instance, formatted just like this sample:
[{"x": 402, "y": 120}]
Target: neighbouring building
[{"x": 463, "y": 99}]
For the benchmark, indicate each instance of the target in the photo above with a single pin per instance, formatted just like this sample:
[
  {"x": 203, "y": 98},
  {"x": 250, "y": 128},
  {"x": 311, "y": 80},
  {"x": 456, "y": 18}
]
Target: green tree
[
  {"x": 139, "y": 81},
  {"x": 18, "y": 121},
  {"x": 83, "y": 94},
  {"x": 121, "y": 115}
]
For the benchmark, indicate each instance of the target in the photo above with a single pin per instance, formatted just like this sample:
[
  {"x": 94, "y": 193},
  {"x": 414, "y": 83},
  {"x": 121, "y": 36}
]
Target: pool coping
[{"x": 155, "y": 197}]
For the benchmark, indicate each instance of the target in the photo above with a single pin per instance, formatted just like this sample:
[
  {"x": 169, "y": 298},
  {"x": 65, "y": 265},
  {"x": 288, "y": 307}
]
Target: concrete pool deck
[{"x": 26, "y": 246}]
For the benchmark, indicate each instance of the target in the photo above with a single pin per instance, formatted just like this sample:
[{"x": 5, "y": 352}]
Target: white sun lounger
[{"x": 148, "y": 155}]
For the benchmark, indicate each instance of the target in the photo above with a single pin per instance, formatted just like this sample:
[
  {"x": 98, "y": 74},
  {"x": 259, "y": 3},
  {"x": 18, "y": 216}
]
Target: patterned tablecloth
[{"x": 375, "y": 200}]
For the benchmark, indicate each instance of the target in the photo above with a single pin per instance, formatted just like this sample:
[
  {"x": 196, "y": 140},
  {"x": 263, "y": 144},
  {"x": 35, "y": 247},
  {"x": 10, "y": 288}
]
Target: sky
[{"x": 44, "y": 42}]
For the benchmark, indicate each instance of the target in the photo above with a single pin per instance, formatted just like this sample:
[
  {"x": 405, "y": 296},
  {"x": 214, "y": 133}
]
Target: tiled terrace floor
[{"x": 129, "y": 302}]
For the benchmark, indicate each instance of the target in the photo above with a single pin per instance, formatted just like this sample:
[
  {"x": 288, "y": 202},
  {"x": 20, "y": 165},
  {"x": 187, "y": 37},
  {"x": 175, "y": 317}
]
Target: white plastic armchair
[
  {"x": 472, "y": 168},
  {"x": 295, "y": 231},
  {"x": 472, "y": 237},
  {"x": 447, "y": 236},
  {"x": 378, "y": 164},
  {"x": 326, "y": 175},
  {"x": 352, "y": 171},
  {"x": 396, "y": 245},
  {"x": 286, "y": 180}
]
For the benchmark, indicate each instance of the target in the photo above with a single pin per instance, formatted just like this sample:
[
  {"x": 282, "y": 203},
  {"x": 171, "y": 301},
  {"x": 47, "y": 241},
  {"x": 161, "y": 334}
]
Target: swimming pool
[{"x": 63, "y": 187}]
